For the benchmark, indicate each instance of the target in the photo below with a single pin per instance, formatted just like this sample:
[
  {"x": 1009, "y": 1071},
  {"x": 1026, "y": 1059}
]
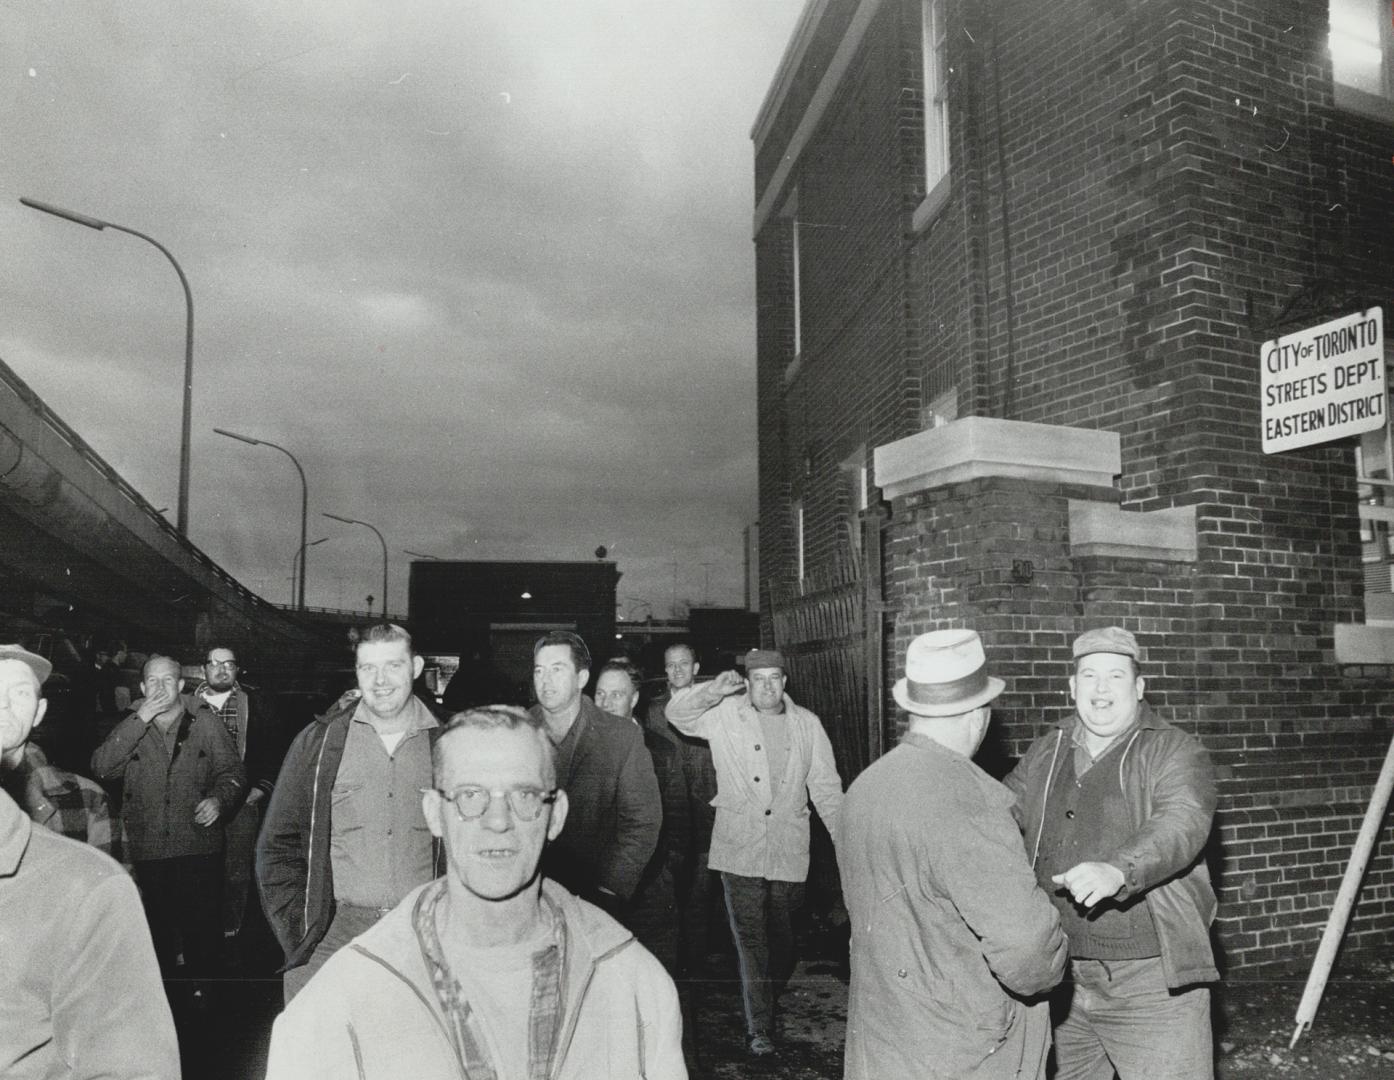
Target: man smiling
[
  {"x": 490, "y": 970},
  {"x": 1117, "y": 805},
  {"x": 344, "y": 838}
]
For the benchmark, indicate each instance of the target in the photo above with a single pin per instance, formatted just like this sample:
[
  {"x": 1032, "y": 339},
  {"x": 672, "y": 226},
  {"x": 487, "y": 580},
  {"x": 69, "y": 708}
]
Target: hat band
[{"x": 945, "y": 692}]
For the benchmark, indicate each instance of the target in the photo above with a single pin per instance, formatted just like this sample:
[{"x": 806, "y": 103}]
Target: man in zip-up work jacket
[
  {"x": 344, "y": 838},
  {"x": 491, "y": 970},
  {"x": 182, "y": 781},
  {"x": 772, "y": 757},
  {"x": 1116, "y": 806}
]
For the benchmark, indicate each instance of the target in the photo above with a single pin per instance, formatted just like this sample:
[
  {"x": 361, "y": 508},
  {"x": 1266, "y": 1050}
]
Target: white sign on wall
[{"x": 1324, "y": 383}]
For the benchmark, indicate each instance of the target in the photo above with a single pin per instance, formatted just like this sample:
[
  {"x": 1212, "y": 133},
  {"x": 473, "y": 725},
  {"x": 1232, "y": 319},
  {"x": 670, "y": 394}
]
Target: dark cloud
[{"x": 485, "y": 267}]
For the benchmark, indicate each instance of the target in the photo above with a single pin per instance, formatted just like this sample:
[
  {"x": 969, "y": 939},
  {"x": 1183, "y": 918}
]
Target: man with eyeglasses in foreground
[{"x": 490, "y": 970}]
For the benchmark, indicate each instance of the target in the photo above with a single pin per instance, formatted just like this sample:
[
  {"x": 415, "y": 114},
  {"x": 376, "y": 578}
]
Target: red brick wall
[{"x": 1166, "y": 176}]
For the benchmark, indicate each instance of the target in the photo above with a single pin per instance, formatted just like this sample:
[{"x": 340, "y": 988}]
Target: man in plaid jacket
[{"x": 70, "y": 805}]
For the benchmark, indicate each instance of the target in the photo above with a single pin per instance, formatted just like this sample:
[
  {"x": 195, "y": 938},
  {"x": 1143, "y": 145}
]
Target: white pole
[{"x": 1345, "y": 899}]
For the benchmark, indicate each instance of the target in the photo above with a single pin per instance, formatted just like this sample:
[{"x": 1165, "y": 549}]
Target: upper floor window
[
  {"x": 1362, "y": 55},
  {"x": 798, "y": 539},
  {"x": 936, "y": 98}
]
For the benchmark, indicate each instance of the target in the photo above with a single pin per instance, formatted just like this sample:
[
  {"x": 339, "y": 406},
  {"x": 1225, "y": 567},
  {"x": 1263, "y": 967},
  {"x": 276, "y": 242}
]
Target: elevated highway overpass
[{"x": 82, "y": 551}]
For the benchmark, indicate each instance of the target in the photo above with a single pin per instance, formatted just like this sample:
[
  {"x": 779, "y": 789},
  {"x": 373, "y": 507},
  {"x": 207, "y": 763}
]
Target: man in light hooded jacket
[{"x": 490, "y": 970}]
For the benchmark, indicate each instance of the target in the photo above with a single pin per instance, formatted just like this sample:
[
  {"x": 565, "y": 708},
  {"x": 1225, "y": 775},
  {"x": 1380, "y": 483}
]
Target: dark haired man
[
  {"x": 252, "y": 726},
  {"x": 616, "y": 812},
  {"x": 1117, "y": 805},
  {"x": 490, "y": 970},
  {"x": 344, "y": 838}
]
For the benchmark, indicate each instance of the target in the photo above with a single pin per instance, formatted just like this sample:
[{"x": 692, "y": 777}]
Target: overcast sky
[{"x": 484, "y": 267}]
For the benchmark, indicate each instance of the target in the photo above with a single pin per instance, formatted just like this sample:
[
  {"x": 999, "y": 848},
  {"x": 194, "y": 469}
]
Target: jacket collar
[{"x": 15, "y": 830}]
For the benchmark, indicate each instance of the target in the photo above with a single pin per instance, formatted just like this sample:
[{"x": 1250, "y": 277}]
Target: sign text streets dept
[{"x": 1324, "y": 383}]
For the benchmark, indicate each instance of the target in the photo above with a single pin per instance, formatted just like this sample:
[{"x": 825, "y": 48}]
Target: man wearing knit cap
[
  {"x": 772, "y": 757},
  {"x": 949, "y": 929},
  {"x": 1116, "y": 806}
]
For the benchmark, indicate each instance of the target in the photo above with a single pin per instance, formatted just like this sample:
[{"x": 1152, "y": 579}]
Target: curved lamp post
[
  {"x": 304, "y": 500},
  {"x": 355, "y": 521},
  {"x": 294, "y": 562},
  {"x": 186, "y": 427}
]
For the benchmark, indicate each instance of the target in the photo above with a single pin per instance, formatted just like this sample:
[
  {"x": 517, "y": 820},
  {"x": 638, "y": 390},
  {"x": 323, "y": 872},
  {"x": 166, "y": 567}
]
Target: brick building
[{"x": 1015, "y": 266}]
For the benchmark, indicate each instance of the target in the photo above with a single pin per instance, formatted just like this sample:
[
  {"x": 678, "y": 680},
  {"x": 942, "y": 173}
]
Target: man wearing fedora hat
[
  {"x": 1117, "y": 805},
  {"x": 950, "y": 932},
  {"x": 771, "y": 757}
]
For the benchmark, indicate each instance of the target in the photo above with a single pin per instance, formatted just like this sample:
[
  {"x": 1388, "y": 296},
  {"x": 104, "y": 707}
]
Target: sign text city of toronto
[{"x": 1323, "y": 383}]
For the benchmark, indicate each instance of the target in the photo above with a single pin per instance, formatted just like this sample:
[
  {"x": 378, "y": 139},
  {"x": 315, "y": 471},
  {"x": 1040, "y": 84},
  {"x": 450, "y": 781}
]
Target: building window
[
  {"x": 943, "y": 409},
  {"x": 1361, "y": 46},
  {"x": 790, "y": 212},
  {"x": 798, "y": 539},
  {"x": 1374, "y": 459},
  {"x": 936, "y": 97},
  {"x": 796, "y": 272}
]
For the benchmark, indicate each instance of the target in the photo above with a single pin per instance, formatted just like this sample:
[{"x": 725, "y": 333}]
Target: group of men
[
  {"x": 502, "y": 893},
  {"x": 959, "y": 936}
]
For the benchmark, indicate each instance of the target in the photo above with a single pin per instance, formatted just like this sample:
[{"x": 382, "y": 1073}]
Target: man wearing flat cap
[
  {"x": 772, "y": 758},
  {"x": 54, "y": 798},
  {"x": 950, "y": 933},
  {"x": 80, "y": 993},
  {"x": 1116, "y": 805}
]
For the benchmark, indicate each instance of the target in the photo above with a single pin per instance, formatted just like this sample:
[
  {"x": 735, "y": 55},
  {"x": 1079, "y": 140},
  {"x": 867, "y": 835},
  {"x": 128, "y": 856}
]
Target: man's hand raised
[{"x": 727, "y": 683}]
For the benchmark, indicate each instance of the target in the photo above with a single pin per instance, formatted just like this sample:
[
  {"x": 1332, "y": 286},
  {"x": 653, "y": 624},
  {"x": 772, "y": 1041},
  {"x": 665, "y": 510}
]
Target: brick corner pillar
[{"x": 979, "y": 536}]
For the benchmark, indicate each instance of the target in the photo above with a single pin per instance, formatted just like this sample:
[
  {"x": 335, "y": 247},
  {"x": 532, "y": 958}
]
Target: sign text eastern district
[{"x": 1324, "y": 383}]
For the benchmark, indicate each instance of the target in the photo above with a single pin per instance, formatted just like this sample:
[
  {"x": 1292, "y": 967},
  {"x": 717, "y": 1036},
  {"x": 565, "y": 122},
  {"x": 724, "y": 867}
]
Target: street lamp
[
  {"x": 186, "y": 428},
  {"x": 304, "y": 499},
  {"x": 295, "y": 559},
  {"x": 355, "y": 521}
]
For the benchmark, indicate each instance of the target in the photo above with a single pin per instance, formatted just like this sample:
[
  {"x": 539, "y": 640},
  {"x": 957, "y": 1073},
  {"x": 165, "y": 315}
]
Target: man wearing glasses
[
  {"x": 253, "y": 728},
  {"x": 490, "y": 967}
]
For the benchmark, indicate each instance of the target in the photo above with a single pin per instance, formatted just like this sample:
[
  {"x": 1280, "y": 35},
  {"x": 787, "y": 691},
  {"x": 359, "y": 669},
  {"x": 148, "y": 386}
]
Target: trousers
[
  {"x": 762, "y": 924},
  {"x": 1122, "y": 1017}
]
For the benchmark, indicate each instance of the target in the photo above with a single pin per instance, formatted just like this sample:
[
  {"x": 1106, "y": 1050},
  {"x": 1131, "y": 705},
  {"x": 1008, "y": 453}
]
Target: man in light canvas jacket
[
  {"x": 772, "y": 758},
  {"x": 490, "y": 970}
]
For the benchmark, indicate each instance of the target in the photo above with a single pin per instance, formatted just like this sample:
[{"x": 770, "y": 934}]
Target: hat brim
[{"x": 947, "y": 708}]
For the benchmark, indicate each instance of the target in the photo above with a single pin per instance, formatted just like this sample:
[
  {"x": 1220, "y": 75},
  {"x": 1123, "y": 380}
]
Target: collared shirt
[
  {"x": 70, "y": 805},
  {"x": 225, "y": 710},
  {"x": 1084, "y": 758},
  {"x": 379, "y": 846},
  {"x": 466, "y": 1031}
]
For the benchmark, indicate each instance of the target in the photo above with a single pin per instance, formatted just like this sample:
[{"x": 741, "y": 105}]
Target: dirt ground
[{"x": 1351, "y": 1039}]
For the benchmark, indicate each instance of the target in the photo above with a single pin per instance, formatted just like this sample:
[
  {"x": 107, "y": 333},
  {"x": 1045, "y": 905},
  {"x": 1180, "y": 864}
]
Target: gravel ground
[{"x": 1352, "y": 1037}]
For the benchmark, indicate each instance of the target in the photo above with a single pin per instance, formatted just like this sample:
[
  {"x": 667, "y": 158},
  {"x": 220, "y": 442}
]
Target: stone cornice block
[
  {"x": 984, "y": 446},
  {"x": 1104, "y": 529}
]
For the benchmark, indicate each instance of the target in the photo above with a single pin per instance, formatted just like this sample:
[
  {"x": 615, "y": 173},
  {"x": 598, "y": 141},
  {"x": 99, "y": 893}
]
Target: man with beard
[
  {"x": 345, "y": 838},
  {"x": 253, "y": 731}
]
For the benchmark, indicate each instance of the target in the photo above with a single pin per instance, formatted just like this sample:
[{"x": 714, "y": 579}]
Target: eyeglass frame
[{"x": 548, "y": 797}]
